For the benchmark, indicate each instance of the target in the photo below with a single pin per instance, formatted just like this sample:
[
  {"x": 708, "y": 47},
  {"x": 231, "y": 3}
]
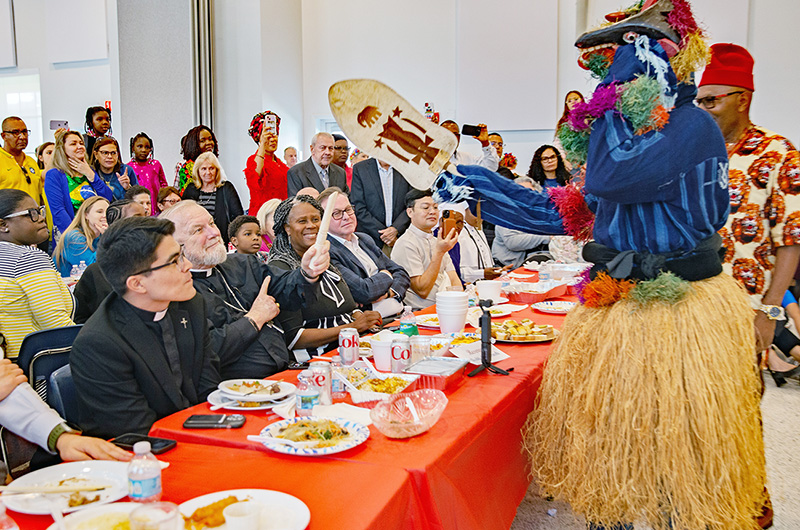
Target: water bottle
[
  {"x": 307, "y": 394},
  {"x": 82, "y": 267},
  {"x": 75, "y": 273},
  {"x": 6, "y": 522},
  {"x": 337, "y": 386},
  {"x": 544, "y": 272},
  {"x": 144, "y": 475},
  {"x": 408, "y": 322}
]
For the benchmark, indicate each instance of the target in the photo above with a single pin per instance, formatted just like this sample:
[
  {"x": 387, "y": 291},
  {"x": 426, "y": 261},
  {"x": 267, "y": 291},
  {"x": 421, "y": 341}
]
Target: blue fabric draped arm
[{"x": 503, "y": 202}]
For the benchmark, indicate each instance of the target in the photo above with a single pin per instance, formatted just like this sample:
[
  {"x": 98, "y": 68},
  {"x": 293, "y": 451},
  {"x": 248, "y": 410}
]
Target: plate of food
[
  {"x": 498, "y": 311},
  {"x": 256, "y": 389},
  {"x": 111, "y": 476},
  {"x": 523, "y": 331},
  {"x": 317, "y": 436},
  {"x": 428, "y": 321},
  {"x": 280, "y": 511},
  {"x": 557, "y": 307},
  {"x": 105, "y": 517},
  {"x": 226, "y": 401}
]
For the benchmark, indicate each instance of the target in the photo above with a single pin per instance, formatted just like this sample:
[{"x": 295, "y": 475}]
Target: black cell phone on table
[
  {"x": 214, "y": 421},
  {"x": 157, "y": 445}
]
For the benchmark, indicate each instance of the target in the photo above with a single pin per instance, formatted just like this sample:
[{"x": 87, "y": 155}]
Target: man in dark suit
[
  {"x": 317, "y": 172},
  {"x": 374, "y": 184},
  {"x": 146, "y": 352},
  {"x": 238, "y": 290},
  {"x": 375, "y": 281}
]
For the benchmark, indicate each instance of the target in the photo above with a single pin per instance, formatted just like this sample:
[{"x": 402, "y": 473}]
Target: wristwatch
[
  {"x": 773, "y": 312},
  {"x": 55, "y": 434}
]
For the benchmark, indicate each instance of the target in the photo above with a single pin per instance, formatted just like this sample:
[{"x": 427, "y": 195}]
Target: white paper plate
[
  {"x": 281, "y": 510},
  {"x": 91, "y": 512},
  {"x": 499, "y": 311},
  {"x": 286, "y": 389},
  {"x": 218, "y": 397},
  {"x": 358, "y": 435},
  {"x": 428, "y": 321},
  {"x": 91, "y": 472},
  {"x": 557, "y": 307}
]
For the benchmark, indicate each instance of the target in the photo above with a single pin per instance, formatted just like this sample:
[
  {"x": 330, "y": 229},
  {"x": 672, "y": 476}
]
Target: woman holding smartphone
[{"x": 265, "y": 173}]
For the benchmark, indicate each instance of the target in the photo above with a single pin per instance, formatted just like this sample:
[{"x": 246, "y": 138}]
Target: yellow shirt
[
  {"x": 32, "y": 295},
  {"x": 12, "y": 176},
  {"x": 27, "y": 178}
]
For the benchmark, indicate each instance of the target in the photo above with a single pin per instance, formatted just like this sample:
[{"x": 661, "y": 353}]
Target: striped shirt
[{"x": 32, "y": 295}]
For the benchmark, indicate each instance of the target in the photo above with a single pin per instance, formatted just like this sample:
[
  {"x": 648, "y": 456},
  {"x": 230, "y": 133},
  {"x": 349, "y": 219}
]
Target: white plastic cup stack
[{"x": 451, "y": 308}]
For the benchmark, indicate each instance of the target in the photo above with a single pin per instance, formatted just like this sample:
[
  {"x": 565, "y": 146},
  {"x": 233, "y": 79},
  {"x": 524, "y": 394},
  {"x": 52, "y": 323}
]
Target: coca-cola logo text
[
  {"x": 400, "y": 353},
  {"x": 349, "y": 342}
]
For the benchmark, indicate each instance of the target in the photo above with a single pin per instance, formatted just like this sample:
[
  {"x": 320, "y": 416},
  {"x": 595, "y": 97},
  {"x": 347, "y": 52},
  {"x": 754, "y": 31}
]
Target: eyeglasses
[
  {"x": 18, "y": 132},
  {"x": 108, "y": 153},
  {"x": 338, "y": 214},
  {"x": 709, "y": 102},
  {"x": 178, "y": 261},
  {"x": 34, "y": 213},
  {"x": 549, "y": 158},
  {"x": 341, "y": 148}
]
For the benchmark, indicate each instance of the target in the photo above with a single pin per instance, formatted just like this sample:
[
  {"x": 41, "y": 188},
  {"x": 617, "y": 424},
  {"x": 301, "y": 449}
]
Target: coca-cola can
[
  {"x": 401, "y": 353},
  {"x": 348, "y": 345},
  {"x": 321, "y": 379}
]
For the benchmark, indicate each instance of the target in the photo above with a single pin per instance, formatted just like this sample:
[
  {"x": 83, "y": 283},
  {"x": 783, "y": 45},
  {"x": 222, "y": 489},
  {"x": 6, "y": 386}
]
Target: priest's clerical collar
[
  {"x": 201, "y": 272},
  {"x": 159, "y": 315}
]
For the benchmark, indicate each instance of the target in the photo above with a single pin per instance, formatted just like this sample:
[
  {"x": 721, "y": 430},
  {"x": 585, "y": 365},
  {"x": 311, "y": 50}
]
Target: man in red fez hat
[{"x": 762, "y": 235}]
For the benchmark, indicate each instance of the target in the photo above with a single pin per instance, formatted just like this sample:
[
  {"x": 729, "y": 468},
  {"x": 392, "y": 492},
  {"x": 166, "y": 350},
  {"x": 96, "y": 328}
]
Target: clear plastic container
[
  {"x": 144, "y": 475},
  {"x": 75, "y": 273}
]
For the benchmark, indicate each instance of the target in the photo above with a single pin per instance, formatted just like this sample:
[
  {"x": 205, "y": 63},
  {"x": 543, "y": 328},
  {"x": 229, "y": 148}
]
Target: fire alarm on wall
[{"x": 108, "y": 104}]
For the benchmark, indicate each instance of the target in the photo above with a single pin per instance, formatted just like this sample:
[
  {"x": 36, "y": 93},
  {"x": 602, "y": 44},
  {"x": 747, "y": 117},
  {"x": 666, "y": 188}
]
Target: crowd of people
[
  {"x": 181, "y": 287},
  {"x": 147, "y": 259}
]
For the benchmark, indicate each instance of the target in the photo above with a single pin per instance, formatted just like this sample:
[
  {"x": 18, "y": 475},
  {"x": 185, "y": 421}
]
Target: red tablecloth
[
  {"x": 468, "y": 470},
  {"x": 339, "y": 494}
]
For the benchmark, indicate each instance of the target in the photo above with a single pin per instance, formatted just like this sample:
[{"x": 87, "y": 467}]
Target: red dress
[{"x": 270, "y": 184}]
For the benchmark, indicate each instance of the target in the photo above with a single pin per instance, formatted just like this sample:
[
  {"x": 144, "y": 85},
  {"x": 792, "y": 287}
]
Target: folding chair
[
  {"x": 62, "y": 396},
  {"x": 43, "y": 352}
]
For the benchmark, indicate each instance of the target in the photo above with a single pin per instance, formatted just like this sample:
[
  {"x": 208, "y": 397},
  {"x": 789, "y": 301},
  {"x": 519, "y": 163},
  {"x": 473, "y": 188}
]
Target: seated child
[{"x": 244, "y": 233}]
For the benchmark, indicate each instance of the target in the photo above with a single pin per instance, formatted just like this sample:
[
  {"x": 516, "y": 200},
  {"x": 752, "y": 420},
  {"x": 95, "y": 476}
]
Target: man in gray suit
[
  {"x": 379, "y": 194},
  {"x": 317, "y": 172}
]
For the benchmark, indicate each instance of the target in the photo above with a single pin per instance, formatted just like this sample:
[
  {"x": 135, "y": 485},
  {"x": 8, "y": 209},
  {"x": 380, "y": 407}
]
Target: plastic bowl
[
  {"x": 394, "y": 419},
  {"x": 440, "y": 345}
]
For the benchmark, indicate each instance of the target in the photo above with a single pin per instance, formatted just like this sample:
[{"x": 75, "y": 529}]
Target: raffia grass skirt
[{"x": 650, "y": 413}]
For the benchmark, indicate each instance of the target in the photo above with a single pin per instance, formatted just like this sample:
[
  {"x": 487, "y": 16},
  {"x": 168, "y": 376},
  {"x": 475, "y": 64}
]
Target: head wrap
[
  {"x": 730, "y": 65},
  {"x": 257, "y": 123}
]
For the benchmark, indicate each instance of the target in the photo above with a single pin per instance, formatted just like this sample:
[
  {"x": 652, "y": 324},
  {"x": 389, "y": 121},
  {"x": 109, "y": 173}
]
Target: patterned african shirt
[{"x": 764, "y": 185}]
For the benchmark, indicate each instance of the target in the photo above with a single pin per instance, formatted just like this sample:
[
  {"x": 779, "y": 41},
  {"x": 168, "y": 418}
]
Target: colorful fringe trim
[
  {"x": 604, "y": 290},
  {"x": 576, "y": 216}
]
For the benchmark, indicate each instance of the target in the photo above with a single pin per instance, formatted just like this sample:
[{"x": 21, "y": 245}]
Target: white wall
[{"x": 69, "y": 88}]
